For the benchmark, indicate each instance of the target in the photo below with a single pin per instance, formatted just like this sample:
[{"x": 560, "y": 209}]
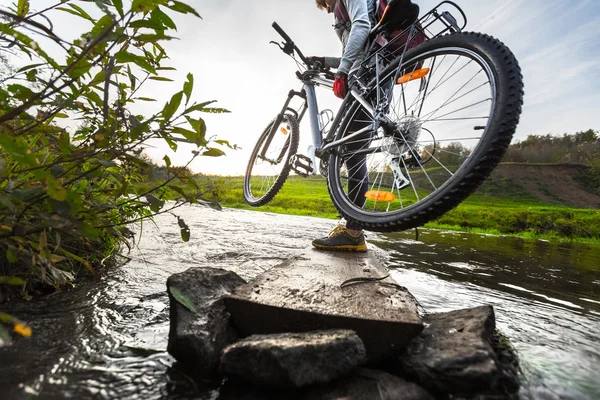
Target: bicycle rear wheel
[
  {"x": 269, "y": 164},
  {"x": 454, "y": 109}
]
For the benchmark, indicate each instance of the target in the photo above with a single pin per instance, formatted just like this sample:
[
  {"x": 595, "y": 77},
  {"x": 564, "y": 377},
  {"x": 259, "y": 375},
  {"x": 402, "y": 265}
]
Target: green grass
[{"x": 499, "y": 207}]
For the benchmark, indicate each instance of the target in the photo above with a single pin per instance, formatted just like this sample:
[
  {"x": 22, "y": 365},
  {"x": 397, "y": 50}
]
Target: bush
[{"x": 65, "y": 192}]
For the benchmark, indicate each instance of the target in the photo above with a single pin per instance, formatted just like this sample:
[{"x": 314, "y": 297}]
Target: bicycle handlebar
[
  {"x": 290, "y": 43},
  {"x": 282, "y": 32}
]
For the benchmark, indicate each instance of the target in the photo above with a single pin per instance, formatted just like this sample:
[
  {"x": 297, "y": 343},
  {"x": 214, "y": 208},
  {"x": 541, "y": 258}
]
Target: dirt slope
[{"x": 553, "y": 184}]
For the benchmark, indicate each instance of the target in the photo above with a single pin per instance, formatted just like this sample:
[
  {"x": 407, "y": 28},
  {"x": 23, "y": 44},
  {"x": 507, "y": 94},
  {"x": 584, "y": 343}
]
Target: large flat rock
[{"x": 329, "y": 291}]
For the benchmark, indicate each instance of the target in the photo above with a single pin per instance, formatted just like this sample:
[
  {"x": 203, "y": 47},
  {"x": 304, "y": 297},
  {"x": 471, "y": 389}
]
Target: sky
[{"x": 557, "y": 43}]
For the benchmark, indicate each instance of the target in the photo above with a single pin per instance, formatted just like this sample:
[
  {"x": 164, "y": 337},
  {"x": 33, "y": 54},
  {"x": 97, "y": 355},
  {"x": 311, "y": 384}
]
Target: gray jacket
[{"x": 353, "y": 35}]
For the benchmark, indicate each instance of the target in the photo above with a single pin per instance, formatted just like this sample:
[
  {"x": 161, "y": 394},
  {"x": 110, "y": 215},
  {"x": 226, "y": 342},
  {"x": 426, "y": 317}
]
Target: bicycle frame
[{"x": 313, "y": 78}]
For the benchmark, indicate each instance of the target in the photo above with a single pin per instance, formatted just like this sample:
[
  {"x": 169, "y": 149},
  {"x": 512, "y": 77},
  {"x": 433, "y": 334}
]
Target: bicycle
[{"x": 408, "y": 120}]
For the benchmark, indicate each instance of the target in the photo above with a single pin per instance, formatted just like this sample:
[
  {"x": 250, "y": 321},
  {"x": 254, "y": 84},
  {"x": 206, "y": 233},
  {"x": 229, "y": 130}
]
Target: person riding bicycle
[{"x": 354, "y": 36}]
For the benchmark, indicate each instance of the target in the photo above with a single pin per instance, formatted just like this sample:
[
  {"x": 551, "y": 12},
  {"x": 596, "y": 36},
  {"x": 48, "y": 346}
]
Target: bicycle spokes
[{"x": 439, "y": 108}]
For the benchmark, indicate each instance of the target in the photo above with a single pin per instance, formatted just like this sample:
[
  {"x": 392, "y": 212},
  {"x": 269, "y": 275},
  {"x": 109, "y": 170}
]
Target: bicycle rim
[
  {"x": 441, "y": 113},
  {"x": 268, "y": 167}
]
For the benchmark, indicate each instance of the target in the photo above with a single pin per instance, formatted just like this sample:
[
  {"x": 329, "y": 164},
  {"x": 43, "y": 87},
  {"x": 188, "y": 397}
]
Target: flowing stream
[{"x": 108, "y": 339}]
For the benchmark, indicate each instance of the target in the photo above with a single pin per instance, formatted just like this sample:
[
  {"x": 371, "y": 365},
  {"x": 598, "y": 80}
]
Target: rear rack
[{"x": 437, "y": 22}]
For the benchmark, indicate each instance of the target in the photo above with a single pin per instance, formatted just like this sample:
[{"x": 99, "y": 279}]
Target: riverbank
[{"x": 500, "y": 207}]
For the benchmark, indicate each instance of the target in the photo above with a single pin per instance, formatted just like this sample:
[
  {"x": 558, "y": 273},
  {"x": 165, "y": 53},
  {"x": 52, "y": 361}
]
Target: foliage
[
  {"x": 70, "y": 140},
  {"x": 581, "y": 147}
]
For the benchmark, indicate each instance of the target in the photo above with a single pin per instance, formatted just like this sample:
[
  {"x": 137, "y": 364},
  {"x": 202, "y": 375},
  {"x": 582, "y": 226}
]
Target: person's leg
[
  {"x": 358, "y": 174},
  {"x": 351, "y": 237}
]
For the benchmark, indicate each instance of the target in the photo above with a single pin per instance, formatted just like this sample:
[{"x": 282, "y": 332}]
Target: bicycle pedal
[{"x": 301, "y": 164}]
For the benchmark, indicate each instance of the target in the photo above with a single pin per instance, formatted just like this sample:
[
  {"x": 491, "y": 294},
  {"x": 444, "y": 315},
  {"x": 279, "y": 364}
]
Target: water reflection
[
  {"x": 108, "y": 340},
  {"x": 546, "y": 298}
]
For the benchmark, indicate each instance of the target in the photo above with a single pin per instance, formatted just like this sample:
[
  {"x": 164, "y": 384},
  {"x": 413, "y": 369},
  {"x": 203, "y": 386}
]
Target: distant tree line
[{"x": 581, "y": 148}]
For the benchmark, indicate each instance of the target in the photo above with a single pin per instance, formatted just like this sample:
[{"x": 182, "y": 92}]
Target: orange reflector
[
  {"x": 284, "y": 131},
  {"x": 418, "y": 74},
  {"x": 376, "y": 195},
  {"x": 384, "y": 12}
]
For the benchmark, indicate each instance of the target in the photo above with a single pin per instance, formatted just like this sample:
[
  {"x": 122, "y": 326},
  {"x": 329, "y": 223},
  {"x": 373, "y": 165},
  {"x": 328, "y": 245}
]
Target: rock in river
[
  {"x": 293, "y": 360},
  {"x": 457, "y": 354},
  {"x": 318, "y": 291},
  {"x": 200, "y": 325},
  {"x": 363, "y": 384}
]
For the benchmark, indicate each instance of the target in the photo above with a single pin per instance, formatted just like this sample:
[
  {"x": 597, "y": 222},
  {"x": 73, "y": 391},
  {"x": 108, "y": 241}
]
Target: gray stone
[
  {"x": 293, "y": 360},
  {"x": 458, "y": 353},
  {"x": 321, "y": 290},
  {"x": 369, "y": 384},
  {"x": 197, "y": 338},
  {"x": 363, "y": 384}
]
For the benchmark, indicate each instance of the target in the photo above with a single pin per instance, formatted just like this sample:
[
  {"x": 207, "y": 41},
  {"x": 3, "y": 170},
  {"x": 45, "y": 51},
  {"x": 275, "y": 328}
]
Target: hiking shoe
[{"x": 341, "y": 239}]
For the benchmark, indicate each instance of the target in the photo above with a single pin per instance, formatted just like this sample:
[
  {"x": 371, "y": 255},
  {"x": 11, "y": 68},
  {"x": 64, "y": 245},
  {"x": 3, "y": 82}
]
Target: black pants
[{"x": 358, "y": 178}]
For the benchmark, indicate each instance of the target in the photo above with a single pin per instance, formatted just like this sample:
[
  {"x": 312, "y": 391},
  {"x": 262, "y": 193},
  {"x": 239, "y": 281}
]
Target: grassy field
[{"x": 498, "y": 207}]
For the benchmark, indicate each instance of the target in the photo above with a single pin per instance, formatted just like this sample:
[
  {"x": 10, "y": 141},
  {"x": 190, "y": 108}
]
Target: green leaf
[
  {"x": 26, "y": 194},
  {"x": 145, "y": 99},
  {"x": 79, "y": 68},
  {"x": 165, "y": 20},
  {"x": 172, "y": 106},
  {"x": 94, "y": 98},
  {"x": 210, "y": 203},
  {"x": 143, "y": 6},
  {"x": 99, "y": 78},
  {"x": 118, "y": 4},
  {"x": 182, "y": 299},
  {"x": 213, "y": 153},
  {"x": 167, "y": 160},
  {"x": 55, "y": 190},
  {"x": 151, "y": 38},
  {"x": 185, "y": 235},
  {"x": 28, "y": 67},
  {"x": 199, "y": 125},
  {"x": 20, "y": 92},
  {"x": 155, "y": 203},
  {"x": 82, "y": 12},
  {"x": 132, "y": 78},
  {"x": 22, "y": 8},
  {"x": 102, "y": 24},
  {"x": 12, "y": 258},
  {"x": 123, "y": 57},
  {"x": 11, "y": 280},
  {"x": 161, "y": 78},
  {"x": 182, "y": 8},
  {"x": 7, "y": 203},
  {"x": 188, "y": 87},
  {"x": 108, "y": 163},
  {"x": 147, "y": 23},
  {"x": 195, "y": 137},
  {"x": 202, "y": 108}
]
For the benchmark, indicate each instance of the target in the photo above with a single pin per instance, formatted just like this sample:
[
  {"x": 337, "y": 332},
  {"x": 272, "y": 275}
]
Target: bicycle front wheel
[
  {"x": 269, "y": 164},
  {"x": 454, "y": 111}
]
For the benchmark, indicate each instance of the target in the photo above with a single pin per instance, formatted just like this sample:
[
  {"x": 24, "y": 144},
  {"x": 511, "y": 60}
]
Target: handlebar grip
[{"x": 281, "y": 32}]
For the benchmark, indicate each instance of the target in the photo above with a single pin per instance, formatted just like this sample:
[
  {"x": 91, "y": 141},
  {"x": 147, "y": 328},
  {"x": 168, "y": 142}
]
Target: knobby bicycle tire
[
  {"x": 488, "y": 153},
  {"x": 294, "y": 136}
]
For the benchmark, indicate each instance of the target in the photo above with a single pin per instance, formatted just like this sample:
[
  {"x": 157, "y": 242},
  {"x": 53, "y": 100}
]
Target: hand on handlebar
[
  {"x": 340, "y": 85},
  {"x": 317, "y": 62}
]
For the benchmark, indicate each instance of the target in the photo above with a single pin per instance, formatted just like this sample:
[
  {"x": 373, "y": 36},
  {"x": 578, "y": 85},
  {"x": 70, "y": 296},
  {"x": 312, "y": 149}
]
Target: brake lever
[{"x": 286, "y": 47}]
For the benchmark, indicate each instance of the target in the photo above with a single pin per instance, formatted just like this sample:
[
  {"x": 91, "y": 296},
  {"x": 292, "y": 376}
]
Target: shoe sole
[{"x": 356, "y": 249}]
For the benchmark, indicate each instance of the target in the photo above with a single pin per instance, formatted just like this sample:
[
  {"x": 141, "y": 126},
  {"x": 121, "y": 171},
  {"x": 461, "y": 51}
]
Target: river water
[{"x": 108, "y": 339}]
